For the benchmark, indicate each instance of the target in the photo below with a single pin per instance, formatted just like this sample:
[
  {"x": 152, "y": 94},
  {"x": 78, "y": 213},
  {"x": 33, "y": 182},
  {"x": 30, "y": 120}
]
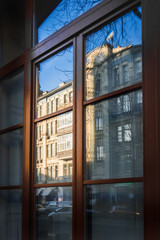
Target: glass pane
[
  {"x": 114, "y": 56},
  {"x": 11, "y": 29},
  {"x": 54, "y": 149},
  {"x": 11, "y": 100},
  {"x": 114, "y": 211},
  {"x": 55, "y": 83},
  {"x": 11, "y": 149},
  {"x": 53, "y": 15},
  {"x": 11, "y": 214},
  {"x": 53, "y": 213},
  {"x": 114, "y": 138}
]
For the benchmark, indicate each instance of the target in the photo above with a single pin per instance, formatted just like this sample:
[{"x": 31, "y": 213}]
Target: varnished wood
[
  {"x": 115, "y": 93},
  {"x": 9, "y": 129},
  {"x": 112, "y": 181}
]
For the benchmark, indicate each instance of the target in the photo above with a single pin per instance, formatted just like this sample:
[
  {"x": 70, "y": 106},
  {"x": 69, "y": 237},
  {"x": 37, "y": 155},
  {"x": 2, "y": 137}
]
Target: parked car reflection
[
  {"x": 123, "y": 211},
  {"x": 61, "y": 214}
]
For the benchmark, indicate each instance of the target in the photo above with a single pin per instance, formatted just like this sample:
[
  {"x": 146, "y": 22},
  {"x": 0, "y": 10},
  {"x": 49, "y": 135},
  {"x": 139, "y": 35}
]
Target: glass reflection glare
[
  {"x": 11, "y": 149},
  {"x": 55, "y": 83},
  {"x": 54, "y": 149},
  {"x": 114, "y": 138},
  {"x": 11, "y": 99},
  {"x": 11, "y": 214},
  {"x": 114, "y": 211},
  {"x": 53, "y": 213},
  {"x": 114, "y": 56}
]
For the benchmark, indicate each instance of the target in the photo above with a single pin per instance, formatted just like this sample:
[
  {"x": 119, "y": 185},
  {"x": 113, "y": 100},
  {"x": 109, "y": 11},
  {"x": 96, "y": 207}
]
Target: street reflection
[
  {"x": 53, "y": 213},
  {"x": 114, "y": 211}
]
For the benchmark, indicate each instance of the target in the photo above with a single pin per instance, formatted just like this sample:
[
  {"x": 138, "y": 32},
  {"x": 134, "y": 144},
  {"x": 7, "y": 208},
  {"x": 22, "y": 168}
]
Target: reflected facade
[
  {"x": 114, "y": 138},
  {"x": 54, "y": 149},
  {"x": 53, "y": 154},
  {"x": 113, "y": 128},
  {"x": 55, "y": 83},
  {"x": 113, "y": 59},
  {"x": 53, "y": 213}
]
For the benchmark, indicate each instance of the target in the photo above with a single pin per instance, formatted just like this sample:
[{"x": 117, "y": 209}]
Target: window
[
  {"x": 57, "y": 104},
  {"x": 40, "y": 152},
  {"x": 41, "y": 111},
  {"x": 139, "y": 97},
  {"x": 99, "y": 150},
  {"x": 64, "y": 169},
  {"x": 40, "y": 132},
  {"x": 124, "y": 133},
  {"x": 99, "y": 121},
  {"x": 65, "y": 142},
  {"x": 116, "y": 77},
  {"x": 48, "y": 129},
  {"x": 48, "y": 150},
  {"x": 48, "y": 107},
  {"x": 71, "y": 97},
  {"x": 56, "y": 171},
  {"x": 81, "y": 114},
  {"x": 55, "y": 149},
  {"x": 65, "y": 98},
  {"x": 52, "y": 150},
  {"x": 52, "y": 127},
  {"x": 125, "y": 74},
  {"x": 52, "y": 106},
  {"x": 126, "y": 103}
]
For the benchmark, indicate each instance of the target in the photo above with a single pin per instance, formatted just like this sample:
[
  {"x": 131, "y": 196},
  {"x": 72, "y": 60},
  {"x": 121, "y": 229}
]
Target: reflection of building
[
  {"x": 54, "y": 136},
  {"x": 114, "y": 126}
]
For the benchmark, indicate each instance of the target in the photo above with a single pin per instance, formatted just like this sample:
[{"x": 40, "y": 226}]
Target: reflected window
[
  {"x": 52, "y": 150},
  {"x": 65, "y": 170},
  {"x": 41, "y": 109},
  {"x": 99, "y": 149},
  {"x": 65, "y": 98},
  {"x": 120, "y": 135},
  {"x": 116, "y": 77},
  {"x": 124, "y": 133},
  {"x": 52, "y": 127},
  {"x": 48, "y": 150},
  {"x": 48, "y": 108},
  {"x": 125, "y": 73},
  {"x": 52, "y": 106},
  {"x": 57, "y": 104},
  {"x": 48, "y": 129},
  {"x": 40, "y": 152},
  {"x": 70, "y": 168},
  {"x": 40, "y": 132},
  {"x": 139, "y": 97},
  {"x": 126, "y": 103},
  {"x": 56, "y": 171},
  {"x": 71, "y": 97},
  {"x": 99, "y": 121}
]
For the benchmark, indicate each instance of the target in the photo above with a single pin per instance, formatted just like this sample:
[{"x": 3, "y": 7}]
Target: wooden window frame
[{"x": 74, "y": 33}]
